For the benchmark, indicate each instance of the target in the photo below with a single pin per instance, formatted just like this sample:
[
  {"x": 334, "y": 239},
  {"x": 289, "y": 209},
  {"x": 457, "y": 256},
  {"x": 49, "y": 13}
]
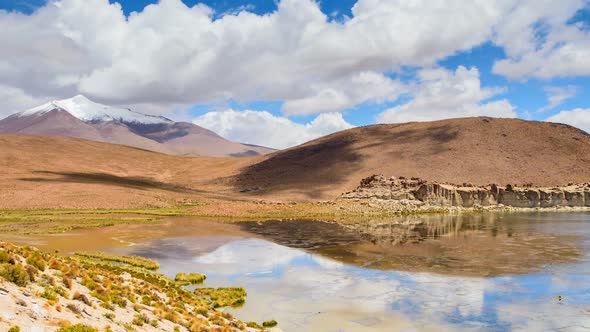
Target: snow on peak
[{"x": 89, "y": 111}]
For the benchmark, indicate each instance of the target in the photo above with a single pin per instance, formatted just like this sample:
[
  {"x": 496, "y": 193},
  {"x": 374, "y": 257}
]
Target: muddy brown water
[{"x": 492, "y": 272}]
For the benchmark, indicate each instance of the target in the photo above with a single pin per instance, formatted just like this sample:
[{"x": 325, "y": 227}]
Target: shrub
[
  {"x": 14, "y": 329},
  {"x": 89, "y": 283},
  {"x": 4, "y": 257},
  {"x": 82, "y": 298},
  {"x": 67, "y": 281},
  {"x": 74, "y": 308},
  {"x": 140, "y": 319},
  {"x": 270, "y": 323},
  {"x": 32, "y": 272},
  {"x": 49, "y": 294},
  {"x": 78, "y": 328},
  {"x": 37, "y": 261},
  {"x": 15, "y": 274},
  {"x": 121, "y": 302},
  {"x": 107, "y": 306},
  {"x": 62, "y": 291}
]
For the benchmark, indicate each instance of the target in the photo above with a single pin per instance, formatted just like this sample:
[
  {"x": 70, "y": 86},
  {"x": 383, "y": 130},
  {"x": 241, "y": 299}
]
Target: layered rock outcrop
[{"x": 420, "y": 192}]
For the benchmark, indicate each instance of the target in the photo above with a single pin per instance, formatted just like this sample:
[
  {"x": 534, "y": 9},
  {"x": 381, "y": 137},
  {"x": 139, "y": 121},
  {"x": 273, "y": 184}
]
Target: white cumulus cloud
[
  {"x": 441, "y": 94},
  {"x": 578, "y": 117},
  {"x": 541, "y": 42},
  {"x": 14, "y": 100},
  {"x": 263, "y": 128},
  {"x": 174, "y": 54}
]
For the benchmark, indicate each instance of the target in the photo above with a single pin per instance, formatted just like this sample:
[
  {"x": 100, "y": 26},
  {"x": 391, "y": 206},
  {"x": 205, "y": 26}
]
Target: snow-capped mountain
[
  {"x": 83, "y": 118},
  {"x": 88, "y": 111}
]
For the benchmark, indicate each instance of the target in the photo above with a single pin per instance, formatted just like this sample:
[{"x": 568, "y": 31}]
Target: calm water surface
[{"x": 488, "y": 272}]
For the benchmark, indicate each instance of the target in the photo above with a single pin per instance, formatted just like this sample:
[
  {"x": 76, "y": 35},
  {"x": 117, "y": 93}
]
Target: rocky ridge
[{"x": 422, "y": 193}]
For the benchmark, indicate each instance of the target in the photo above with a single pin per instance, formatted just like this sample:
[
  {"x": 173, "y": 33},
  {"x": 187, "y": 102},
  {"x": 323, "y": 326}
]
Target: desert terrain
[{"x": 69, "y": 173}]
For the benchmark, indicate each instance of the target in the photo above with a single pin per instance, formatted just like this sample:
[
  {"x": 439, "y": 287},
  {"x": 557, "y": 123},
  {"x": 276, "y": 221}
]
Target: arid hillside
[
  {"x": 41, "y": 171},
  {"x": 61, "y": 172},
  {"x": 473, "y": 150}
]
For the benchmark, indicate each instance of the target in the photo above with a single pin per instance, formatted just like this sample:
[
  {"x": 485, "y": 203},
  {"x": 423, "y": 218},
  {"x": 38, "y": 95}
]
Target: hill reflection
[{"x": 469, "y": 245}]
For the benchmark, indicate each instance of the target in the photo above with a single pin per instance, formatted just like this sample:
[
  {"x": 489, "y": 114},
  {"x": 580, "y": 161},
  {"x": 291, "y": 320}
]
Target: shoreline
[
  {"x": 265, "y": 209},
  {"x": 56, "y": 221}
]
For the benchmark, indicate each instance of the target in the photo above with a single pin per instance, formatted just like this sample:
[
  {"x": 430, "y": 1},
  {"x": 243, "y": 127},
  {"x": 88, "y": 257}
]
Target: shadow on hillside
[
  {"x": 315, "y": 168},
  {"x": 108, "y": 179},
  {"x": 438, "y": 136}
]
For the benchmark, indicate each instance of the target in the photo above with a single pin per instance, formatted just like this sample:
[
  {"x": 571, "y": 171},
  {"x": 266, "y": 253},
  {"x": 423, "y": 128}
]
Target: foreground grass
[{"x": 111, "y": 284}]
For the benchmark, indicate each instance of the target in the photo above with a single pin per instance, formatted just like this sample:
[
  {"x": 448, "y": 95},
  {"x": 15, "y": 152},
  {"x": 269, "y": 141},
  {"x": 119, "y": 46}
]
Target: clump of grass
[
  {"x": 254, "y": 325},
  {"x": 224, "y": 297},
  {"x": 107, "y": 306},
  {"x": 32, "y": 272},
  {"x": 37, "y": 261},
  {"x": 82, "y": 298},
  {"x": 89, "y": 283},
  {"x": 78, "y": 328},
  {"x": 110, "y": 316},
  {"x": 198, "y": 325},
  {"x": 16, "y": 274},
  {"x": 137, "y": 307},
  {"x": 67, "y": 281},
  {"x": 190, "y": 278},
  {"x": 61, "y": 291},
  {"x": 146, "y": 300},
  {"x": 14, "y": 329},
  {"x": 49, "y": 294},
  {"x": 4, "y": 256},
  {"x": 270, "y": 323},
  {"x": 120, "y": 301},
  {"x": 74, "y": 308},
  {"x": 129, "y": 260},
  {"x": 140, "y": 319}
]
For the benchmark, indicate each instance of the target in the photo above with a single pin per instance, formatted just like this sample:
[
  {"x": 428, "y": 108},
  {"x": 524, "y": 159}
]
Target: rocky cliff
[{"x": 419, "y": 192}]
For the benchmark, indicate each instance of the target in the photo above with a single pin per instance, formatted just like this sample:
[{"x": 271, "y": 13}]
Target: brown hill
[
  {"x": 63, "y": 172},
  {"x": 475, "y": 150},
  {"x": 41, "y": 171}
]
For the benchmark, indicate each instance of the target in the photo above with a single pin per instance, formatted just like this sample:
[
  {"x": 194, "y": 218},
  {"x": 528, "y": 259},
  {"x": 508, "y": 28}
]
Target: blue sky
[{"x": 384, "y": 61}]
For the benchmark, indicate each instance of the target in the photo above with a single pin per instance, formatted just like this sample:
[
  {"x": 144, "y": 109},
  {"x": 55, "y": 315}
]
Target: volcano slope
[{"x": 60, "y": 172}]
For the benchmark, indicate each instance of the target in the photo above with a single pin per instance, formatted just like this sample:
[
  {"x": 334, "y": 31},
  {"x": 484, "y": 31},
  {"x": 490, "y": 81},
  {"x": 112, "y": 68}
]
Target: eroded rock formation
[{"x": 419, "y": 192}]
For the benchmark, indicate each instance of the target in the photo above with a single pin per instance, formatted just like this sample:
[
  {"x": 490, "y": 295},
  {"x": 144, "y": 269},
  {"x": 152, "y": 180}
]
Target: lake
[{"x": 473, "y": 272}]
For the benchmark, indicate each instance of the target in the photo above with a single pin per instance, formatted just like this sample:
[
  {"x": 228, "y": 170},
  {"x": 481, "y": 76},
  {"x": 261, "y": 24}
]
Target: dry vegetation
[{"x": 120, "y": 291}]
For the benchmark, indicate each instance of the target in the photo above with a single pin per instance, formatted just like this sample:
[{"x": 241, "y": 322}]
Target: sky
[{"x": 279, "y": 73}]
